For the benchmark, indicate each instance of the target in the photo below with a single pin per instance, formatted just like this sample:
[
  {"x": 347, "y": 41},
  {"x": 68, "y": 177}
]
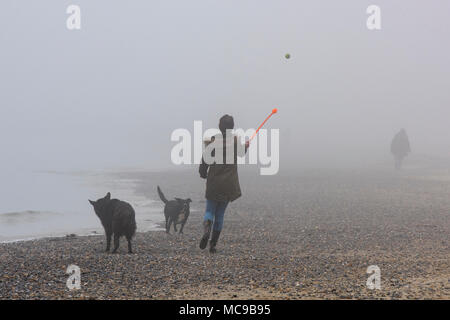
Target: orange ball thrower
[{"x": 274, "y": 110}]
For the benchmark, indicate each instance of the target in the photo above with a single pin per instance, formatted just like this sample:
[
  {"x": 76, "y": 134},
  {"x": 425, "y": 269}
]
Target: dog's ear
[
  {"x": 108, "y": 196},
  {"x": 189, "y": 200},
  {"x": 92, "y": 202}
]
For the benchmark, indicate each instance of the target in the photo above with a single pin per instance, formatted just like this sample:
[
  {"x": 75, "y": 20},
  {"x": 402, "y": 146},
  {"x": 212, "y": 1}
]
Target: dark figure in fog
[
  {"x": 222, "y": 181},
  {"x": 117, "y": 217},
  {"x": 400, "y": 147}
]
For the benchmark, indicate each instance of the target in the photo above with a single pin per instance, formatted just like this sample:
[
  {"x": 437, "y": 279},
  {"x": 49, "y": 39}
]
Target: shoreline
[
  {"x": 303, "y": 237},
  {"x": 39, "y": 223},
  {"x": 159, "y": 226}
]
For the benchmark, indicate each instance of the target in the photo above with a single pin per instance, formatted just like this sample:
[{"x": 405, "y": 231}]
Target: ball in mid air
[{"x": 287, "y": 55}]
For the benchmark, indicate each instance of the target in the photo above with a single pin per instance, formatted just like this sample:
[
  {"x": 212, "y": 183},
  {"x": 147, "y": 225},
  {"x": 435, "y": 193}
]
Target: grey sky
[{"x": 110, "y": 94}]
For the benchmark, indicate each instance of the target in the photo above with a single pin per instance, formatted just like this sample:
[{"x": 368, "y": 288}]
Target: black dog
[
  {"x": 117, "y": 218},
  {"x": 176, "y": 211}
]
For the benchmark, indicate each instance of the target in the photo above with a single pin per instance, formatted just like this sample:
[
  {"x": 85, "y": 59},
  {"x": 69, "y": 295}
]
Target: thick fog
[{"x": 110, "y": 95}]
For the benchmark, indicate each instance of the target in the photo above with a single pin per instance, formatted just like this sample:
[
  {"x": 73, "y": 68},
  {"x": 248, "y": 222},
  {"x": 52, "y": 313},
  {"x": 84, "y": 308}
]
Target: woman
[{"x": 222, "y": 184}]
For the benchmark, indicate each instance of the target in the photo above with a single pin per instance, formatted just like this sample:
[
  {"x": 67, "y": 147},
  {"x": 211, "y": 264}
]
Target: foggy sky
[{"x": 110, "y": 94}]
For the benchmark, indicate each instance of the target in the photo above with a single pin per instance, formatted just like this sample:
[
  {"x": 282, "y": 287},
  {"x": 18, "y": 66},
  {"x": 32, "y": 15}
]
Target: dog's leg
[
  {"x": 175, "y": 225},
  {"x": 182, "y": 226},
  {"x": 116, "y": 242},
  {"x": 168, "y": 226},
  {"x": 129, "y": 245},
  {"x": 108, "y": 241}
]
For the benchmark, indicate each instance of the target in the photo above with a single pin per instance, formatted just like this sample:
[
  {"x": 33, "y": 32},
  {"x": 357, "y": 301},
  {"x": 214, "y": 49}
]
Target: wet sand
[{"x": 308, "y": 235}]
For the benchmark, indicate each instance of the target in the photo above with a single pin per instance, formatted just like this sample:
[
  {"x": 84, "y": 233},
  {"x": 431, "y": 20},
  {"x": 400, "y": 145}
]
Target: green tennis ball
[{"x": 287, "y": 55}]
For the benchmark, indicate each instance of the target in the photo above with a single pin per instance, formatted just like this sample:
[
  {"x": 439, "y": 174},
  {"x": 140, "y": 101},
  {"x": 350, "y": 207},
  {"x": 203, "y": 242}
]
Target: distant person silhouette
[{"x": 400, "y": 148}]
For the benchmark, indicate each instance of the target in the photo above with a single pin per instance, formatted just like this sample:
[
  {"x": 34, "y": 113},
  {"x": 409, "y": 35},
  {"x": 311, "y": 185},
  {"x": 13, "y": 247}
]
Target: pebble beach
[{"x": 308, "y": 235}]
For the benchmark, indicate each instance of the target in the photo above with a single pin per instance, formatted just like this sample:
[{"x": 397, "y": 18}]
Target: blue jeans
[{"x": 215, "y": 212}]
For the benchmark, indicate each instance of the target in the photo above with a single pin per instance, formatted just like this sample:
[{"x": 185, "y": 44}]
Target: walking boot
[
  {"x": 206, "y": 231},
  {"x": 213, "y": 242}
]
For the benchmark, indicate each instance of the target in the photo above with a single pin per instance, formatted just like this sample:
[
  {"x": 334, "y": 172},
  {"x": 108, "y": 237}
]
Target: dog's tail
[{"x": 161, "y": 195}]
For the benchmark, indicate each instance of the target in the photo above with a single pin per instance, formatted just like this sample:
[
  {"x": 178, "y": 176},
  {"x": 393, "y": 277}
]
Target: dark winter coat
[
  {"x": 222, "y": 180},
  {"x": 400, "y": 144}
]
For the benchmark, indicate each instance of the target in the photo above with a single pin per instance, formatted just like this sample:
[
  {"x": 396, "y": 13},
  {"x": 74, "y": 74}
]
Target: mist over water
[
  {"x": 42, "y": 203},
  {"x": 38, "y": 204}
]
